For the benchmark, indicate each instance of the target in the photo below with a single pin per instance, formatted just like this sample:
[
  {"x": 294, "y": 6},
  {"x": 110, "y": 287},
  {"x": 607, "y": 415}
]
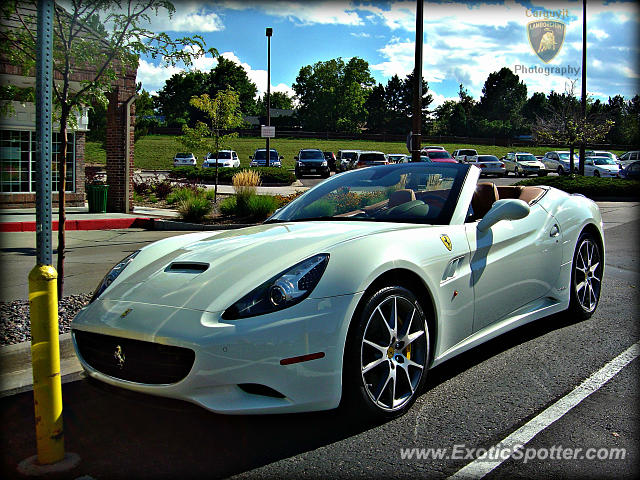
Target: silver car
[
  {"x": 559, "y": 162},
  {"x": 523, "y": 164},
  {"x": 488, "y": 165}
]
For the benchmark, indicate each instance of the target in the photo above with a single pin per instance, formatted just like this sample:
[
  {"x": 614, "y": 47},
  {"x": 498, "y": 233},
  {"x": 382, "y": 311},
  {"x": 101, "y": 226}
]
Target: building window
[{"x": 18, "y": 162}]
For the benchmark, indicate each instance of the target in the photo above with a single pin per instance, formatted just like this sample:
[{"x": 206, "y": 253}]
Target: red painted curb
[{"x": 89, "y": 224}]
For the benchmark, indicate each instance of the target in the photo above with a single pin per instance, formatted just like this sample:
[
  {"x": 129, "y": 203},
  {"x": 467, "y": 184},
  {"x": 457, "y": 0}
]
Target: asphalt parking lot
[{"x": 471, "y": 403}]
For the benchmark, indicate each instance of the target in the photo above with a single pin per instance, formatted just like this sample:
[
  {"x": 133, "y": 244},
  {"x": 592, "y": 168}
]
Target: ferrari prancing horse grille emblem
[
  {"x": 447, "y": 241},
  {"x": 119, "y": 356}
]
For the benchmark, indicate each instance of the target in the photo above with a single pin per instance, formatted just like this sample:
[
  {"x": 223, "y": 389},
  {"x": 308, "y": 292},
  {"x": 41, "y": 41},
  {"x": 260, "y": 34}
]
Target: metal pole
[
  {"x": 269, "y": 32},
  {"x": 127, "y": 151},
  {"x": 584, "y": 83},
  {"x": 43, "y": 299},
  {"x": 417, "y": 86}
]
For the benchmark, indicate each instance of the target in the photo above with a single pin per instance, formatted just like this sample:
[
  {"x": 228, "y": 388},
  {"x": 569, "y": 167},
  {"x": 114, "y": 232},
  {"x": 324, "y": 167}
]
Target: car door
[
  {"x": 513, "y": 263},
  {"x": 589, "y": 168}
]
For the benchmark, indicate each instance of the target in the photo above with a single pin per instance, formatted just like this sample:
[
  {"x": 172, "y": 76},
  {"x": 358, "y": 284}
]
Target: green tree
[
  {"x": 503, "y": 96},
  {"x": 223, "y": 114},
  {"x": 145, "y": 113},
  {"x": 536, "y": 106},
  {"x": 228, "y": 74},
  {"x": 457, "y": 124},
  {"x": 172, "y": 99},
  {"x": 376, "y": 107},
  {"x": 332, "y": 94},
  {"x": 80, "y": 39},
  {"x": 279, "y": 100},
  {"x": 443, "y": 115}
]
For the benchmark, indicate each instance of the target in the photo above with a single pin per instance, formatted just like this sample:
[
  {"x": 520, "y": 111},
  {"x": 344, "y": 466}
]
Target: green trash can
[{"x": 97, "y": 198}]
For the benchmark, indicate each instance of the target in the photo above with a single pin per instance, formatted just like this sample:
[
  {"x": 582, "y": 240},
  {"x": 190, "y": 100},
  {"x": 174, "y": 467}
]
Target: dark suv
[{"x": 311, "y": 161}]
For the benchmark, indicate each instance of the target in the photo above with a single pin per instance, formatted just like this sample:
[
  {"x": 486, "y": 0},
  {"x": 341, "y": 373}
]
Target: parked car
[
  {"x": 631, "y": 171},
  {"x": 259, "y": 158},
  {"x": 432, "y": 147},
  {"x": 311, "y": 309},
  {"x": 184, "y": 160},
  {"x": 439, "y": 156},
  {"x": 226, "y": 159},
  {"x": 370, "y": 159},
  {"x": 629, "y": 157},
  {"x": 346, "y": 159},
  {"x": 396, "y": 157},
  {"x": 559, "y": 161},
  {"x": 602, "y": 153},
  {"x": 330, "y": 157},
  {"x": 465, "y": 155},
  {"x": 600, "y": 167},
  {"x": 523, "y": 164},
  {"x": 488, "y": 165},
  {"x": 310, "y": 161}
]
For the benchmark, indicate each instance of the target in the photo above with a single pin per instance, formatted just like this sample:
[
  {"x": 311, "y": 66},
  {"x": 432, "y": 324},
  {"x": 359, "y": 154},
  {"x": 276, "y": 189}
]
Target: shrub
[
  {"x": 162, "y": 189},
  {"x": 245, "y": 183},
  {"x": 181, "y": 194},
  {"x": 153, "y": 198},
  {"x": 228, "y": 206},
  {"x": 194, "y": 209},
  {"x": 140, "y": 186},
  {"x": 260, "y": 207},
  {"x": 589, "y": 186},
  {"x": 225, "y": 175}
]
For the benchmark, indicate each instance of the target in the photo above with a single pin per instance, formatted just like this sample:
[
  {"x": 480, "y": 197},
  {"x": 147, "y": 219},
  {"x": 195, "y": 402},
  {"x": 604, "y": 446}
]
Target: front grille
[{"x": 134, "y": 360}]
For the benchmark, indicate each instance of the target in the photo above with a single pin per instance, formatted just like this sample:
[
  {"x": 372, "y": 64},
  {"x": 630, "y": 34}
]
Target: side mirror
[
  {"x": 281, "y": 157},
  {"x": 295, "y": 158},
  {"x": 250, "y": 157},
  {"x": 507, "y": 209}
]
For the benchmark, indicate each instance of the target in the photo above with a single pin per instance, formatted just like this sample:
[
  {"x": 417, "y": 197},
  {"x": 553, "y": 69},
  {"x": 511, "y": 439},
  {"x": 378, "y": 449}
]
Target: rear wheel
[
  {"x": 560, "y": 171},
  {"x": 517, "y": 172},
  {"x": 542, "y": 174},
  {"x": 596, "y": 173},
  {"x": 387, "y": 355},
  {"x": 586, "y": 276}
]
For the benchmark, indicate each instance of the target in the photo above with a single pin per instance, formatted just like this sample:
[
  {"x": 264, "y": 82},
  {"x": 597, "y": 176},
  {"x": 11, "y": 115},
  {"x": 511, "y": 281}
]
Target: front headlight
[
  {"x": 282, "y": 291},
  {"x": 113, "y": 274},
  {"x": 324, "y": 163}
]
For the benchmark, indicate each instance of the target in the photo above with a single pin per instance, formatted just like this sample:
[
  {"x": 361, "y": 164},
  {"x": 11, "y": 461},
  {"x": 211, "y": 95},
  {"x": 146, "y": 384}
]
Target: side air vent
[
  {"x": 257, "y": 389},
  {"x": 187, "y": 267}
]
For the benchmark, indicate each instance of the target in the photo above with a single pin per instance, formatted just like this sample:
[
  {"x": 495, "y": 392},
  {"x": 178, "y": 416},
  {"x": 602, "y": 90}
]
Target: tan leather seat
[
  {"x": 401, "y": 196},
  {"x": 484, "y": 196}
]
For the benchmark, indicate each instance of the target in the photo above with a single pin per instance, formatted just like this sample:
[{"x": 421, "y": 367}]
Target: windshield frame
[{"x": 458, "y": 172}]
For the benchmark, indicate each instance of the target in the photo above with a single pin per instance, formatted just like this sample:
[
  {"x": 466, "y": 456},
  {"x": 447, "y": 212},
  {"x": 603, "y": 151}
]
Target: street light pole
[
  {"x": 584, "y": 84},
  {"x": 269, "y": 33},
  {"x": 417, "y": 87}
]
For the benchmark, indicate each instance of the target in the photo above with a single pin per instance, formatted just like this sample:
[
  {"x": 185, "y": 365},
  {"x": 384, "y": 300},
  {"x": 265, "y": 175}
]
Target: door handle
[{"x": 555, "y": 231}]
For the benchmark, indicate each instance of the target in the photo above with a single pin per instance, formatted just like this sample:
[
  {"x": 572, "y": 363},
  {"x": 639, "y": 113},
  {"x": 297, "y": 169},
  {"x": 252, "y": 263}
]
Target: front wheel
[
  {"x": 596, "y": 173},
  {"x": 560, "y": 171},
  {"x": 586, "y": 276},
  {"x": 542, "y": 174},
  {"x": 517, "y": 172},
  {"x": 387, "y": 354}
]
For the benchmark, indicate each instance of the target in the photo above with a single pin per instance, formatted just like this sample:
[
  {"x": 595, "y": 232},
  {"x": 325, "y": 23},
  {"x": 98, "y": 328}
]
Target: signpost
[{"x": 267, "y": 132}]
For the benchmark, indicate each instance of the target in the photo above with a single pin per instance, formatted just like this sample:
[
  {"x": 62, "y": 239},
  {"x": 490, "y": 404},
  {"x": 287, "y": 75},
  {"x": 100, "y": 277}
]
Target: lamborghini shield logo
[
  {"x": 447, "y": 241},
  {"x": 546, "y": 38}
]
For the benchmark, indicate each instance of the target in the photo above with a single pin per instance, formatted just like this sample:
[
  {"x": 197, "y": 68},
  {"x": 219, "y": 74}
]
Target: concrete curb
[
  {"x": 15, "y": 365},
  {"x": 168, "y": 225},
  {"x": 88, "y": 224}
]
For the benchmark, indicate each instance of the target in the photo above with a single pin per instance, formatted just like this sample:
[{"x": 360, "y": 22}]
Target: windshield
[
  {"x": 603, "y": 161},
  {"x": 262, "y": 155},
  {"x": 439, "y": 154},
  {"x": 371, "y": 157},
  {"x": 183, "y": 155},
  {"x": 487, "y": 158},
  {"x": 221, "y": 156},
  {"x": 311, "y": 155},
  {"x": 404, "y": 192},
  {"x": 606, "y": 154},
  {"x": 467, "y": 152},
  {"x": 349, "y": 155},
  {"x": 526, "y": 158}
]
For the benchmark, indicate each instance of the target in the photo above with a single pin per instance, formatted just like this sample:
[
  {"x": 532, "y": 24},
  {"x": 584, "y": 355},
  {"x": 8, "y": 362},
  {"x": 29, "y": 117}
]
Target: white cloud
[
  {"x": 259, "y": 77},
  {"x": 153, "y": 76},
  {"x": 439, "y": 99},
  {"x": 189, "y": 17},
  {"x": 360, "y": 35},
  {"x": 305, "y": 13}
]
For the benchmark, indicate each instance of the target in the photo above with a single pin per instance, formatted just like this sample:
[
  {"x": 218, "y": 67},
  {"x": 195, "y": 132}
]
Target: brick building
[{"x": 17, "y": 143}]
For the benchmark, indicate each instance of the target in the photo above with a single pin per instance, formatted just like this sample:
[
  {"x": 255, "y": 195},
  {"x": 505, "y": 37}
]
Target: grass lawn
[{"x": 155, "y": 152}]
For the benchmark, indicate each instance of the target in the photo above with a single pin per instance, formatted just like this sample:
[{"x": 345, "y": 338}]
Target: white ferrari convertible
[{"x": 349, "y": 294}]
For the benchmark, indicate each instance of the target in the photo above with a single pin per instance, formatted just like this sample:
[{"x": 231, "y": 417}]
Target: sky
[{"x": 463, "y": 42}]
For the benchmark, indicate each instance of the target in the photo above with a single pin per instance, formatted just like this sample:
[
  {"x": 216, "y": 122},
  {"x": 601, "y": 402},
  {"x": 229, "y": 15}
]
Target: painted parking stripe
[{"x": 481, "y": 467}]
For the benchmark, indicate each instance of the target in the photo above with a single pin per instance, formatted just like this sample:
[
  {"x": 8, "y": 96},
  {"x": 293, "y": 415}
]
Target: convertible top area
[{"x": 486, "y": 194}]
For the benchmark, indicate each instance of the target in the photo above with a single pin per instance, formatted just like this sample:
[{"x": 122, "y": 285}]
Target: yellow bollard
[{"x": 45, "y": 357}]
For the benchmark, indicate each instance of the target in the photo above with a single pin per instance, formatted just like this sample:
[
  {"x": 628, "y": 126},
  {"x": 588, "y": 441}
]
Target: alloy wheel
[
  {"x": 588, "y": 275},
  {"x": 393, "y": 353}
]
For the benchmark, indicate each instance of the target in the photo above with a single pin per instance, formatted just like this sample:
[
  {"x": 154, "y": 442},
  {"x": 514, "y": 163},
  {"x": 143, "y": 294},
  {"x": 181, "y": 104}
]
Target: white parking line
[{"x": 481, "y": 467}]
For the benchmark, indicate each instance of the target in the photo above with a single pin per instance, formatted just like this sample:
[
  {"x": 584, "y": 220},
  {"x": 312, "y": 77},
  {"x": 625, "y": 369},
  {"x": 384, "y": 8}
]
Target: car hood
[
  {"x": 529, "y": 163},
  {"x": 236, "y": 262},
  {"x": 610, "y": 168}
]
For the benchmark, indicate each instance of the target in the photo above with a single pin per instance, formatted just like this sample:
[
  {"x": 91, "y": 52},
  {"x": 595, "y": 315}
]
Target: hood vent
[{"x": 187, "y": 267}]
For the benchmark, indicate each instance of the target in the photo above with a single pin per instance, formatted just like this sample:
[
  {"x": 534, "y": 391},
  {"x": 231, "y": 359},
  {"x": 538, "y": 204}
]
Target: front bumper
[
  {"x": 232, "y": 354},
  {"x": 311, "y": 169}
]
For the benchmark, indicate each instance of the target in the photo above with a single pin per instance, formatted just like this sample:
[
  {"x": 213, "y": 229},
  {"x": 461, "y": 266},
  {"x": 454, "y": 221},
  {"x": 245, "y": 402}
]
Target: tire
[
  {"x": 384, "y": 371},
  {"x": 542, "y": 174},
  {"x": 298, "y": 174},
  {"x": 560, "y": 171},
  {"x": 517, "y": 172},
  {"x": 596, "y": 173},
  {"x": 586, "y": 277}
]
